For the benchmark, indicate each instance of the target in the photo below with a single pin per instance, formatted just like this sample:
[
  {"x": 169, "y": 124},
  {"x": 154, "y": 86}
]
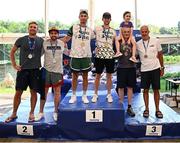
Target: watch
[{"x": 162, "y": 68}]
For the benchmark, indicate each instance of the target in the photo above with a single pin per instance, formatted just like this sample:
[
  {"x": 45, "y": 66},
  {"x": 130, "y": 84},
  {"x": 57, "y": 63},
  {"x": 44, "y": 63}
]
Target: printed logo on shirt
[
  {"x": 53, "y": 47},
  {"x": 109, "y": 35},
  {"x": 152, "y": 46}
]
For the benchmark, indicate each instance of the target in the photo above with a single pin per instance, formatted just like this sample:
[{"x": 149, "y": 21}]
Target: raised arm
[{"x": 68, "y": 36}]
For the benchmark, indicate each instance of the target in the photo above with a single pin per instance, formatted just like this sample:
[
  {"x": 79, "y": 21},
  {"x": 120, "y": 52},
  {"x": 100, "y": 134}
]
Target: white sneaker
[
  {"x": 133, "y": 60},
  {"x": 39, "y": 117},
  {"x": 109, "y": 98},
  {"x": 55, "y": 116},
  {"x": 94, "y": 98},
  {"x": 117, "y": 55},
  {"x": 85, "y": 99},
  {"x": 73, "y": 99}
]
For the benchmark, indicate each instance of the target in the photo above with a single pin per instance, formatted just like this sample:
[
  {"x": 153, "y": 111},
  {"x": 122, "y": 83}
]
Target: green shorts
[
  {"x": 53, "y": 79},
  {"x": 80, "y": 64}
]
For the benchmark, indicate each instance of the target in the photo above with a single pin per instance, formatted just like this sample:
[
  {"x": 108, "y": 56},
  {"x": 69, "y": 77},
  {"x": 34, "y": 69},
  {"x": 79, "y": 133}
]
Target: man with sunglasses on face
[
  {"x": 105, "y": 36},
  {"x": 28, "y": 73},
  {"x": 80, "y": 54}
]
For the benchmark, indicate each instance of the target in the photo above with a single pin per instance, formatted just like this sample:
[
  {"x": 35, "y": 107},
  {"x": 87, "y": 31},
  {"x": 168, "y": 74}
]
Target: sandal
[
  {"x": 146, "y": 113},
  {"x": 31, "y": 118},
  {"x": 11, "y": 119},
  {"x": 159, "y": 114}
]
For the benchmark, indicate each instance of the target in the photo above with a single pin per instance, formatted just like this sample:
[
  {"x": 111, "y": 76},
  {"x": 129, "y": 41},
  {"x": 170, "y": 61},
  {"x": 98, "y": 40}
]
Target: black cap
[{"x": 107, "y": 15}]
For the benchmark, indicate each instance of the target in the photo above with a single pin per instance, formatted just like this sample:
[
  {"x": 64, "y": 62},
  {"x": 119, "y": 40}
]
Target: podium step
[{"x": 100, "y": 118}]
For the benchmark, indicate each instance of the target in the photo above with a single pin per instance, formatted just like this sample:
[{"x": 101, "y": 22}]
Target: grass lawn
[{"x": 4, "y": 90}]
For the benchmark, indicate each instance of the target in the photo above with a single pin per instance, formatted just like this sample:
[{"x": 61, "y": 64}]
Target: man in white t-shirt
[
  {"x": 80, "y": 53},
  {"x": 53, "y": 49},
  {"x": 152, "y": 67},
  {"x": 105, "y": 36}
]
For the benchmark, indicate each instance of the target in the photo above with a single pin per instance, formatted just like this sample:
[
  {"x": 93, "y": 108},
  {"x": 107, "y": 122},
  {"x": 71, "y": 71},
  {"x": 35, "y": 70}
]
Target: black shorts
[
  {"x": 100, "y": 64},
  {"x": 28, "y": 77},
  {"x": 150, "y": 78},
  {"x": 126, "y": 77}
]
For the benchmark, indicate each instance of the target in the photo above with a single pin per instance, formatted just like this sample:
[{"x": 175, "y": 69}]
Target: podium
[
  {"x": 100, "y": 119},
  {"x": 94, "y": 121}
]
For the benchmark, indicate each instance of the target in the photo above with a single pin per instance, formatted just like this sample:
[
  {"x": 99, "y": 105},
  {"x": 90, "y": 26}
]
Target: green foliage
[
  {"x": 21, "y": 27},
  {"x": 163, "y": 80},
  {"x": 172, "y": 59},
  {"x": 171, "y": 30},
  {"x": 154, "y": 29},
  {"x": 171, "y": 75}
]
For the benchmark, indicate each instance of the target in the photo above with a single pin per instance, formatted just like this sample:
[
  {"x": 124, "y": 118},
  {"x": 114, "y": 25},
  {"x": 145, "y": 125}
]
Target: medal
[
  {"x": 82, "y": 44},
  {"x": 106, "y": 44},
  {"x": 32, "y": 43},
  {"x": 145, "y": 48},
  {"x": 54, "y": 61},
  {"x": 30, "y": 56},
  {"x": 145, "y": 56}
]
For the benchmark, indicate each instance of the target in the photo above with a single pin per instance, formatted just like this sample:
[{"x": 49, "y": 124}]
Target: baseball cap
[
  {"x": 83, "y": 11},
  {"x": 53, "y": 29}
]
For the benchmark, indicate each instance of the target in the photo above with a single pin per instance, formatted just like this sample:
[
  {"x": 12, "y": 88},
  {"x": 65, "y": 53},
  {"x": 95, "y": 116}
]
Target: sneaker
[
  {"x": 109, "y": 98},
  {"x": 73, "y": 99},
  {"x": 117, "y": 55},
  {"x": 55, "y": 116},
  {"x": 94, "y": 98},
  {"x": 39, "y": 117},
  {"x": 133, "y": 60},
  {"x": 85, "y": 99},
  {"x": 130, "y": 112}
]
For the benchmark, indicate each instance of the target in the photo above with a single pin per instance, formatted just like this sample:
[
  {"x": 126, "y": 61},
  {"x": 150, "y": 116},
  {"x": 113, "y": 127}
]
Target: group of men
[{"x": 31, "y": 47}]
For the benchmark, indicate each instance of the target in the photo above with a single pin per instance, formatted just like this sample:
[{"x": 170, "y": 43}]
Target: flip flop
[
  {"x": 11, "y": 119},
  {"x": 159, "y": 114},
  {"x": 146, "y": 113}
]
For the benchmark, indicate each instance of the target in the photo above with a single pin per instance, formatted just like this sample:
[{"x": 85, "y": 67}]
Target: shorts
[
  {"x": 80, "y": 64},
  {"x": 100, "y": 64},
  {"x": 28, "y": 77},
  {"x": 150, "y": 78},
  {"x": 53, "y": 79},
  {"x": 126, "y": 77}
]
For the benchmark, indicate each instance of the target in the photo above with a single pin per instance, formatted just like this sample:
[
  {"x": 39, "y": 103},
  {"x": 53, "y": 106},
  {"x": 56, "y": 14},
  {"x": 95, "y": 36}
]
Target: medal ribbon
[
  {"x": 53, "y": 49},
  {"x": 145, "y": 46},
  {"x": 82, "y": 33},
  {"x": 31, "y": 44},
  {"x": 106, "y": 32}
]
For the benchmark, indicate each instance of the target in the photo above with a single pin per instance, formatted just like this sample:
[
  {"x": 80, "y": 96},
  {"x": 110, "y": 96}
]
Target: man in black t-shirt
[{"x": 28, "y": 73}]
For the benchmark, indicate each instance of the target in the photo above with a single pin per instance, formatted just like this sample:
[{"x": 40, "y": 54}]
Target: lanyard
[
  {"x": 106, "y": 33},
  {"x": 145, "y": 46},
  {"x": 53, "y": 49},
  {"x": 31, "y": 44},
  {"x": 82, "y": 33}
]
